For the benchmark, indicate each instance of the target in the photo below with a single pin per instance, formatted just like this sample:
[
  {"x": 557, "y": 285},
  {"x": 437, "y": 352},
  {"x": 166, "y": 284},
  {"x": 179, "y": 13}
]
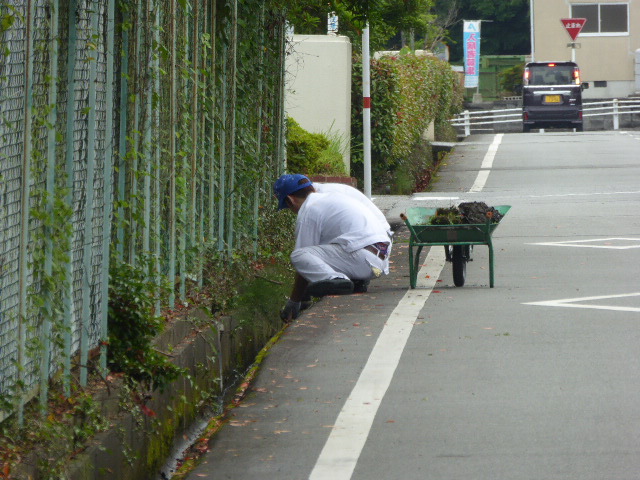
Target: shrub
[
  {"x": 511, "y": 79},
  {"x": 133, "y": 326},
  {"x": 408, "y": 93},
  {"x": 313, "y": 153}
]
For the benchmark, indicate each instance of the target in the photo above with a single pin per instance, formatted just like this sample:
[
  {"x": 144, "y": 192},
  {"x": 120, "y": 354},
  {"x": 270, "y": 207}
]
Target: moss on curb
[{"x": 193, "y": 456}]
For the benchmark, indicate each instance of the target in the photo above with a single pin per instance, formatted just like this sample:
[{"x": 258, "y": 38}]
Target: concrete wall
[
  {"x": 136, "y": 447},
  {"x": 601, "y": 57},
  {"x": 318, "y": 85}
]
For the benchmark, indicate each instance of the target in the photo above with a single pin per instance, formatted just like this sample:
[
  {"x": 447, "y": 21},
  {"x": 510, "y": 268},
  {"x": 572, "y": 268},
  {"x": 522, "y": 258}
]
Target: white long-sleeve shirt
[
  {"x": 326, "y": 218},
  {"x": 357, "y": 195}
]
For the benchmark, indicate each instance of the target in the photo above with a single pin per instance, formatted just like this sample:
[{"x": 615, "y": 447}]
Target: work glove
[{"x": 291, "y": 311}]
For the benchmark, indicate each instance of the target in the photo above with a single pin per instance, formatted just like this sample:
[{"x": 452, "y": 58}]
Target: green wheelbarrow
[{"x": 457, "y": 240}]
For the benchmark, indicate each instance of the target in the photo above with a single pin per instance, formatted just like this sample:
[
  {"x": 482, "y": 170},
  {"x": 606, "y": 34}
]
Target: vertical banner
[
  {"x": 471, "y": 34},
  {"x": 332, "y": 23}
]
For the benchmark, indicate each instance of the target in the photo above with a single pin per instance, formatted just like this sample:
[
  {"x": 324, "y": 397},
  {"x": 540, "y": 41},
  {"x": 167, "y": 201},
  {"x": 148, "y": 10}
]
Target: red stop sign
[{"x": 573, "y": 26}]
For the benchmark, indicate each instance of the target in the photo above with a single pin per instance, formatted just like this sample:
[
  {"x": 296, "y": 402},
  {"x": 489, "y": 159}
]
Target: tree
[
  {"x": 508, "y": 33},
  {"x": 387, "y": 18}
]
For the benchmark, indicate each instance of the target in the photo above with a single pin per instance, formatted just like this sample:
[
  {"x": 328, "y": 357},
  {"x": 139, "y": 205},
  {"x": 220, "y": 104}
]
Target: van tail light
[
  {"x": 525, "y": 115},
  {"x": 580, "y": 115},
  {"x": 576, "y": 75},
  {"x": 527, "y": 74}
]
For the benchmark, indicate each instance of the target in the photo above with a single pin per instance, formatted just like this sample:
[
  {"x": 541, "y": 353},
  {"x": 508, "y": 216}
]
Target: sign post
[
  {"x": 366, "y": 110},
  {"x": 573, "y": 26}
]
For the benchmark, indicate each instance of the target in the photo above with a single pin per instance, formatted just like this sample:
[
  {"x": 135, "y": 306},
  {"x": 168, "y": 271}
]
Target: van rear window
[{"x": 547, "y": 75}]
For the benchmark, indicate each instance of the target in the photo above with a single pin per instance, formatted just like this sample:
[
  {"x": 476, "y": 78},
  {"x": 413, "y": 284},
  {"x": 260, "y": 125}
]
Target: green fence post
[
  {"x": 184, "y": 207},
  {"x": 133, "y": 195},
  {"x": 279, "y": 127},
  {"x": 157, "y": 152},
  {"x": 25, "y": 195},
  {"x": 68, "y": 303},
  {"x": 122, "y": 141},
  {"x": 223, "y": 154},
  {"x": 148, "y": 155},
  {"x": 172, "y": 157},
  {"x": 195, "y": 243},
  {"x": 232, "y": 128},
  {"x": 108, "y": 186},
  {"x": 211, "y": 156},
  {"x": 50, "y": 187},
  {"x": 258, "y": 151},
  {"x": 89, "y": 206}
]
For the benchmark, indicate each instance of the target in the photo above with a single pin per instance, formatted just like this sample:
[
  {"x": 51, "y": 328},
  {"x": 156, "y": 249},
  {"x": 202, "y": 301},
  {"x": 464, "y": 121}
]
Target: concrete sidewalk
[
  {"x": 303, "y": 381},
  {"x": 281, "y": 427}
]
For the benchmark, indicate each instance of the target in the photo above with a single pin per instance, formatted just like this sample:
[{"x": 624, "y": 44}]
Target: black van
[{"x": 552, "y": 95}]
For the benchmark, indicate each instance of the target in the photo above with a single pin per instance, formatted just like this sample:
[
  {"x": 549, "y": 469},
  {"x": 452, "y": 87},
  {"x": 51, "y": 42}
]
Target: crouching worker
[{"x": 340, "y": 243}]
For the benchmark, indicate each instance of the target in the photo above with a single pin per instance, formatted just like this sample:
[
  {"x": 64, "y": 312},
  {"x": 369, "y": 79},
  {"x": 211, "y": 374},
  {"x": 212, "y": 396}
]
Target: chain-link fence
[{"x": 148, "y": 128}]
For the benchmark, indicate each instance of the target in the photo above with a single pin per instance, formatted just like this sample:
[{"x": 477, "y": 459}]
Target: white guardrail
[{"x": 471, "y": 120}]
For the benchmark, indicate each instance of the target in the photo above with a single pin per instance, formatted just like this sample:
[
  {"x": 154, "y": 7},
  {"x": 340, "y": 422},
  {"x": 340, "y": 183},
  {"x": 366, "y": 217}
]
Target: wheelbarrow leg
[
  {"x": 416, "y": 267},
  {"x": 412, "y": 276},
  {"x": 414, "y": 263},
  {"x": 490, "y": 245}
]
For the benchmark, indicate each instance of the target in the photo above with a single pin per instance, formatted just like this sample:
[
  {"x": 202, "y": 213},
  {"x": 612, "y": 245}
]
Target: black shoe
[
  {"x": 335, "y": 286},
  {"x": 360, "y": 286}
]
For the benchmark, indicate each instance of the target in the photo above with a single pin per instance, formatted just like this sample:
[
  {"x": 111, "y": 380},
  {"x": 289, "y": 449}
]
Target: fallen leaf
[{"x": 147, "y": 411}]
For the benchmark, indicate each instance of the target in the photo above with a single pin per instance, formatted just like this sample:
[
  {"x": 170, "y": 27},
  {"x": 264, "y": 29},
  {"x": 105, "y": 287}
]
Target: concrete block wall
[{"x": 318, "y": 86}]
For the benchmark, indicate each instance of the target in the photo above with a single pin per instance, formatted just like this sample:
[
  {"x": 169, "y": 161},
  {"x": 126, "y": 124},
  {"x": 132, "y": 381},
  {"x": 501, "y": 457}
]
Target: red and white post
[{"x": 366, "y": 111}]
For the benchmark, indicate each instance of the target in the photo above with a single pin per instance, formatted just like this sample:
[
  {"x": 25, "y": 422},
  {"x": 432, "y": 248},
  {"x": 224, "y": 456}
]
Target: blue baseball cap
[{"x": 288, "y": 184}]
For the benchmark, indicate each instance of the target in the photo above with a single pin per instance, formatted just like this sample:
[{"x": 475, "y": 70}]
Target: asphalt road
[{"x": 537, "y": 378}]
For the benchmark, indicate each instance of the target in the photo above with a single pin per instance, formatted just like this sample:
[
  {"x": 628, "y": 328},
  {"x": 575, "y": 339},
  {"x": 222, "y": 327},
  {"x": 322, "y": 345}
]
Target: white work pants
[{"x": 324, "y": 262}]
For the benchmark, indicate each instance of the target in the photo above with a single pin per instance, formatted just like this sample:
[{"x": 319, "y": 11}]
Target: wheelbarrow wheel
[{"x": 459, "y": 265}]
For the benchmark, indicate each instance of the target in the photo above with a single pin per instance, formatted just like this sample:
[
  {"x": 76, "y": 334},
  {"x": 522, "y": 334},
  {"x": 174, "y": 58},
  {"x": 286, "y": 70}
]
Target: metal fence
[
  {"x": 620, "y": 112},
  {"x": 131, "y": 128}
]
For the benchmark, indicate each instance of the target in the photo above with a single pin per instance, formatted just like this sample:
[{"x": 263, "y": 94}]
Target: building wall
[
  {"x": 602, "y": 57},
  {"x": 318, "y": 86}
]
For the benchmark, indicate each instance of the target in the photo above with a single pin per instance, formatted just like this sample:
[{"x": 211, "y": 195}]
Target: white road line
[
  {"x": 341, "y": 452},
  {"x": 487, "y": 163},
  {"x": 481, "y": 180},
  {"x": 603, "y": 243},
  {"x": 572, "y": 303}
]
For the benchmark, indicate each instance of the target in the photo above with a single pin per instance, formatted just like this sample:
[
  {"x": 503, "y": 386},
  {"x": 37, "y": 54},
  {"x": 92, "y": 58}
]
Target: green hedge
[
  {"x": 408, "y": 92},
  {"x": 313, "y": 153}
]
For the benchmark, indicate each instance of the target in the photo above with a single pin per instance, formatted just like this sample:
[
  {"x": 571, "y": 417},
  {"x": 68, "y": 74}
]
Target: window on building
[{"x": 603, "y": 18}]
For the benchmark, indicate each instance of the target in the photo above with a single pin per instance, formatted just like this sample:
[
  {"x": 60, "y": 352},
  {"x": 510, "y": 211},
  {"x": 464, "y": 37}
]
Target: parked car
[{"x": 552, "y": 96}]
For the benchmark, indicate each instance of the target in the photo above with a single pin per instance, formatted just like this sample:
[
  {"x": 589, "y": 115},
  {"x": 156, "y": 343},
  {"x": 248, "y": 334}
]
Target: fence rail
[{"x": 468, "y": 121}]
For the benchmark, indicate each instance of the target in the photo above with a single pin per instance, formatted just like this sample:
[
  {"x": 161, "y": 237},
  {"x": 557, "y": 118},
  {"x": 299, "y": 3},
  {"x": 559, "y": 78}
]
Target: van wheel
[
  {"x": 579, "y": 128},
  {"x": 526, "y": 128}
]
